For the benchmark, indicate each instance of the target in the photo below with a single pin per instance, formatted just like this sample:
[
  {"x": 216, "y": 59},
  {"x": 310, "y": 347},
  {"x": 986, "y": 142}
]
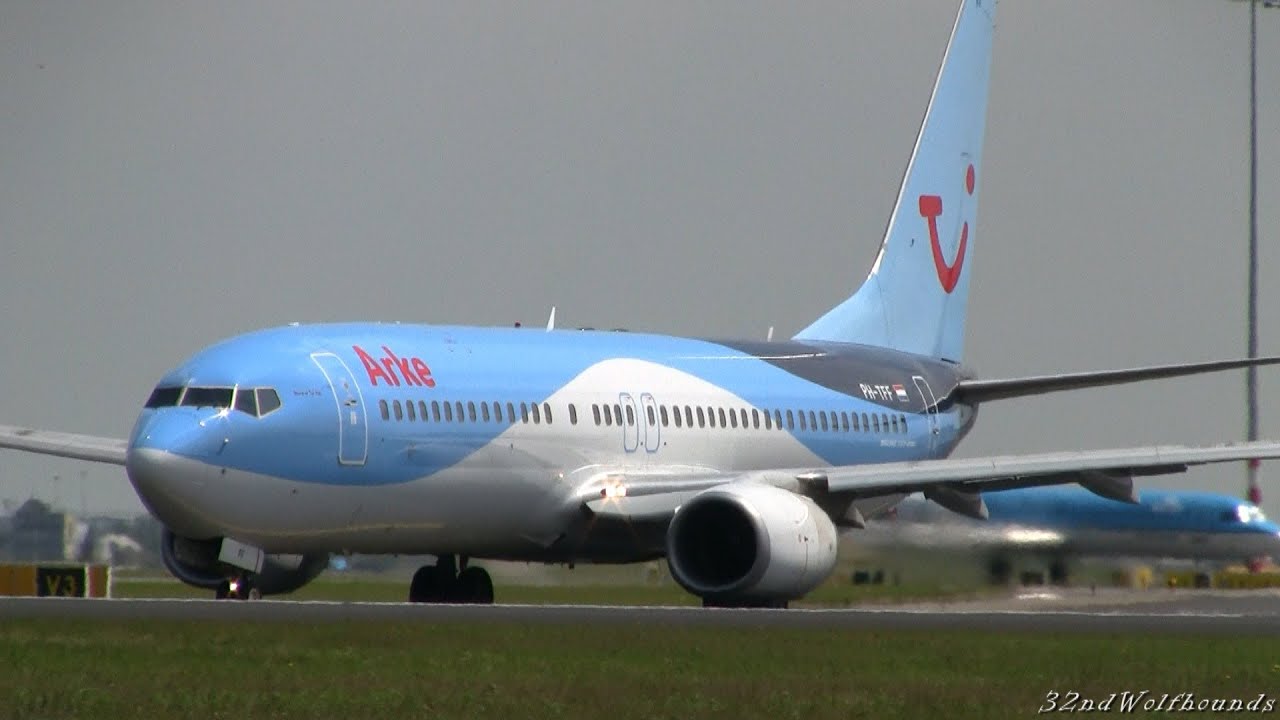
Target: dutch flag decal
[{"x": 901, "y": 392}]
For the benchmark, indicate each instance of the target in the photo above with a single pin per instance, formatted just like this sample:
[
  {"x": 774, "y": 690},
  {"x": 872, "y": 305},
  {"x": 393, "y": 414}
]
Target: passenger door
[{"x": 353, "y": 429}]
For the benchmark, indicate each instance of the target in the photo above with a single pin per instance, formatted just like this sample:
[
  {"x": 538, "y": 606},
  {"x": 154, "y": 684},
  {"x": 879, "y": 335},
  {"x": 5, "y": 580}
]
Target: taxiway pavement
[{"x": 1208, "y": 612}]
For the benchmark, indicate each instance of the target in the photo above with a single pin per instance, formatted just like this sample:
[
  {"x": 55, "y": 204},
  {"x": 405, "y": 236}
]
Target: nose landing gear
[
  {"x": 240, "y": 587},
  {"x": 443, "y": 583}
]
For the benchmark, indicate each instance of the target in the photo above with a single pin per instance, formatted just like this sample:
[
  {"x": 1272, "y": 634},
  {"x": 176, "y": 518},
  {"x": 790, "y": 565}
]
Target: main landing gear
[{"x": 443, "y": 583}]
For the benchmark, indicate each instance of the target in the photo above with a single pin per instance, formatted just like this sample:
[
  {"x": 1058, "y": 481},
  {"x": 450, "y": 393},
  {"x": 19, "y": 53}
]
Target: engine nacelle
[
  {"x": 750, "y": 542},
  {"x": 195, "y": 562}
]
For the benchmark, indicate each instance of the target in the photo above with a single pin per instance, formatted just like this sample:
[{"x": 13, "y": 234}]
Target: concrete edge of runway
[{"x": 1252, "y": 616}]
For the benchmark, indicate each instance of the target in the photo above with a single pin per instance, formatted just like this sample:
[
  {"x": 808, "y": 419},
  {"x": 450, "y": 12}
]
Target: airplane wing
[
  {"x": 80, "y": 447},
  {"x": 956, "y": 484}
]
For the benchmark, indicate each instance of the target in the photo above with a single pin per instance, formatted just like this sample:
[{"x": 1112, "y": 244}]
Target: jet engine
[
  {"x": 748, "y": 544},
  {"x": 195, "y": 562}
]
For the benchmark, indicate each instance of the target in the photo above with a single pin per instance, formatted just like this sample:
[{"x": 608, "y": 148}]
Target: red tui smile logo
[{"x": 930, "y": 209}]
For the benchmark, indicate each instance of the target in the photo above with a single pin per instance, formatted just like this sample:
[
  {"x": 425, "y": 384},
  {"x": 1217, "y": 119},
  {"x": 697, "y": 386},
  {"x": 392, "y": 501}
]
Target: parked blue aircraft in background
[
  {"x": 1060, "y": 524},
  {"x": 736, "y": 461}
]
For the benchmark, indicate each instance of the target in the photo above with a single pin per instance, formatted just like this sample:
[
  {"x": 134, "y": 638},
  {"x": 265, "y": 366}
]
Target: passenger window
[
  {"x": 617, "y": 413},
  {"x": 688, "y": 416},
  {"x": 422, "y": 410},
  {"x": 675, "y": 415},
  {"x": 791, "y": 421},
  {"x": 884, "y": 422},
  {"x": 813, "y": 421},
  {"x": 435, "y": 410},
  {"x": 511, "y": 413},
  {"x": 536, "y": 412},
  {"x": 471, "y": 411},
  {"x": 395, "y": 405},
  {"x": 546, "y": 412},
  {"x": 484, "y": 411},
  {"x": 835, "y": 420},
  {"x": 855, "y": 422},
  {"x": 755, "y": 419},
  {"x": 866, "y": 425},
  {"x": 448, "y": 412},
  {"x": 662, "y": 410},
  {"x": 711, "y": 417},
  {"x": 902, "y": 422},
  {"x": 409, "y": 410},
  {"x": 894, "y": 421},
  {"x": 777, "y": 419},
  {"x": 631, "y": 416},
  {"x": 701, "y": 419},
  {"x": 608, "y": 416},
  {"x": 458, "y": 411},
  {"x": 168, "y": 397},
  {"x": 823, "y": 416},
  {"x": 768, "y": 420},
  {"x": 844, "y": 420},
  {"x": 573, "y": 414},
  {"x": 801, "y": 414},
  {"x": 268, "y": 401},
  {"x": 648, "y": 413},
  {"x": 875, "y": 422},
  {"x": 721, "y": 411},
  {"x": 497, "y": 411},
  {"x": 524, "y": 412},
  {"x": 595, "y": 412},
  {"x": 733, "y": 418},
  {"x": 245, "y": 401},
  {"x": 384, "y": 410}
]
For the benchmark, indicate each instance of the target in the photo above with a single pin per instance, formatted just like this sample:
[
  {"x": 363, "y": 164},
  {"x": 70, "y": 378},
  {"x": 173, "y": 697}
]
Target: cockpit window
[
  {"x": 218, "y": 397},
  {"x": 164, "y": 397},
  {"x": 1244, "y": 514},
  {"x": 268, "y": 401},
  {"x": 246, "y": 401},
  {"x": 254, "y": 402}
]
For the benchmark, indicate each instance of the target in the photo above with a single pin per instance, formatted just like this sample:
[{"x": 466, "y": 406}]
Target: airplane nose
[{"x": 168, "y": 464}]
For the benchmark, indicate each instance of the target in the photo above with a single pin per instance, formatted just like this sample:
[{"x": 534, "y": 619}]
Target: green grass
[{"x": 218, "y": 669}]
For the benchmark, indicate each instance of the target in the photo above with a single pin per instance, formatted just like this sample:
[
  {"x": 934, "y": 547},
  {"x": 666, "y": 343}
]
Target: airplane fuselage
[{"x": 485, "y": 441}]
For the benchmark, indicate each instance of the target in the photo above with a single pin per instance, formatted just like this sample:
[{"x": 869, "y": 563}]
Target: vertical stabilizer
[{"x": 915, "y": 296}]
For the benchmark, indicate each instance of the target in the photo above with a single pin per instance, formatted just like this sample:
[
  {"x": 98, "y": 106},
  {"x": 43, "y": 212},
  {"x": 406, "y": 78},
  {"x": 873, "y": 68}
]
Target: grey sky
[{"x": 173, "y": 173}]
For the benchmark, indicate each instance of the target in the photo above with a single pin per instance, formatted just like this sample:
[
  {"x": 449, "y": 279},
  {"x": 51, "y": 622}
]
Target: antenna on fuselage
[{"x": 551, "y": 321}]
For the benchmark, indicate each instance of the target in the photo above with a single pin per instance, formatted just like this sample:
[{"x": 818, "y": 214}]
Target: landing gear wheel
[
  {"x": 474, "y": 586},
  {"x": 223, "y": 591},
  {"x": 1058, "y": 572},
  {"x": 424, "y": 588},
  {"x": 435, "y": 583}
]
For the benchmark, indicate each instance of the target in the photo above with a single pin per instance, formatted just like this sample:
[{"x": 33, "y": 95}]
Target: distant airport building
[{"x": 34, "y": 532}]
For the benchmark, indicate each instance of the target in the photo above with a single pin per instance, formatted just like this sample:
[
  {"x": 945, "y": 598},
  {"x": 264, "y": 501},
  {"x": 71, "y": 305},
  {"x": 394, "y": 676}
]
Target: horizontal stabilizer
[{"x": 979, "y": 391}]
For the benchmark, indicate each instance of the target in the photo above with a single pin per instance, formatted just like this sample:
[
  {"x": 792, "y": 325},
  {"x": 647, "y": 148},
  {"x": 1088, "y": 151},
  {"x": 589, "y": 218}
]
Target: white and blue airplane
[
  {"x": 736, "y": 461},
  {"x": 1063, "y": 523}
]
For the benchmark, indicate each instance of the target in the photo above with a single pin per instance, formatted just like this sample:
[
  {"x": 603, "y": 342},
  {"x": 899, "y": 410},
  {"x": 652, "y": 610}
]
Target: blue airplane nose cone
[{"x": 168, "y": 464}]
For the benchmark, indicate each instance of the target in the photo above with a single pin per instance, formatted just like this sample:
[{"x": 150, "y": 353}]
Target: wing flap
[{"x": 68, "y": 445}]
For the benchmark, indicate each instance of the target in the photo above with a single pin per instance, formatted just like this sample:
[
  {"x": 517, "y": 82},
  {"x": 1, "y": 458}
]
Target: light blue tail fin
[{"x": 914, "y": 299}]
